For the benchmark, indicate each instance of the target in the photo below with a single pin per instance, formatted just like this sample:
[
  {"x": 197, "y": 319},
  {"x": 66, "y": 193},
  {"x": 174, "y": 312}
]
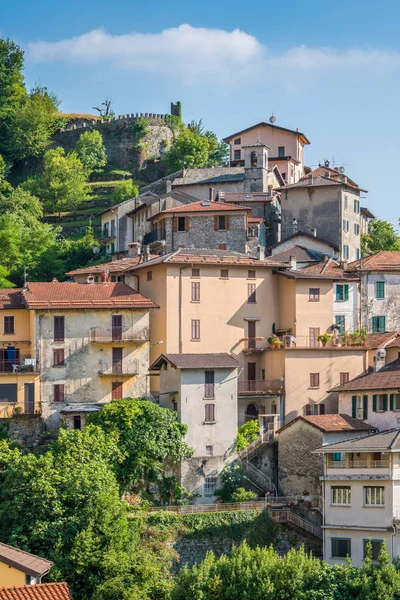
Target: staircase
[
  {"x": 266, "y": 437},
  {"x": 255, "y": 477}
]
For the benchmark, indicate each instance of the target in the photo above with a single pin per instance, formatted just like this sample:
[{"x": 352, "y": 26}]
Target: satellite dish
[
  {"x": 272, "y": 118},
  {"x": 96, "y": 250},
  {"x": 341, "y": 170}
]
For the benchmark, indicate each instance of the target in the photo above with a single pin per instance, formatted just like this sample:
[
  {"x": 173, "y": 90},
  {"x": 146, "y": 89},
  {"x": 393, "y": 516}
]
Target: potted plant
[
  {"x": 345, "y": 339},
  {"x": 363, "y": 335},
  {"x": 275, "y": 342},
  {"x": 18, "y": 410},
  {"x": 324, "y": 338}
]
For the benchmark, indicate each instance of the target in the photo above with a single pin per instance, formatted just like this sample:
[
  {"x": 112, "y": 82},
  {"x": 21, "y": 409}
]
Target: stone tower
[{"x": 256, "y": 167}]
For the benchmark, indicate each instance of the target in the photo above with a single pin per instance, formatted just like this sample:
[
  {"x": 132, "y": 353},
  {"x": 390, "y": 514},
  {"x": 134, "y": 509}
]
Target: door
[
  {"x": 251, "y": 330},
  {"x": 117, "y": 360},
  {"x": 209, "y": 387},
  {"x": 251, "y": 376},
  {"x": 251, "y": 413},
  {"x": 314, "y": 333},
  {"x": 29, "y": 398},
  {"x": 116, "y": 324},
  {"x": 116, "y": 390}
]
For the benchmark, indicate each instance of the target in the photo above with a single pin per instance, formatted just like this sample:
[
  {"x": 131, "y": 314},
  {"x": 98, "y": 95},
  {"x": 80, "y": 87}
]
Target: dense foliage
[
  {"x": 247, "y": 433},
  {"x": 125, "y": 190},
  {"x": 91, "y": 151},
  {"x": 381, "y": 236}
]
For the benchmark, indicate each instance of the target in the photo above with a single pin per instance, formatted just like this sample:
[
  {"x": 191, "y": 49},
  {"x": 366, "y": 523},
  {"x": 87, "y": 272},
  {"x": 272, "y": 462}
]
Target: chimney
[
  {"x": 293, "y": 262},
  {"x": 261, "y": 252},
  {"x": 133, "y": 249},
  {"x": 380, "y": 358},
  {"x": 294, "y": 225},
  {"x": 314, "y": 232},
  {"x": 168, "y": 186},
  {"x": 211, "y": 194},
  {"x": 146, "y": 253},
  {"x": 310, "y": 179}
]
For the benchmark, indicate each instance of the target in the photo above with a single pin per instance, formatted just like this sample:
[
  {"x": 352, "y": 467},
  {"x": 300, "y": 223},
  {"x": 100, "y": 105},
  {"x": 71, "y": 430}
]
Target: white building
[
  {"x": 346, "y": 306},
  {"x": 202, "y": 389},
  {"x": 361, "y": 490}
]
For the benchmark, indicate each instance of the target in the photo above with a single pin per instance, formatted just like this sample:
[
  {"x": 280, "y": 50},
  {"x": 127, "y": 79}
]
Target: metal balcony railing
[
  {"x": 22, "y": 364},
  {"x": 358, "y": 464},
  {"x": 256, "y": 344},
  {"x": 336, "y": 464},
  {"x": 119, "y": 334},
  {"x": 121, "y": 368},
  {"x": 264, "y": 386},
  {"x": 157, "y": 235},
  {"x": 377, "y": 464}
]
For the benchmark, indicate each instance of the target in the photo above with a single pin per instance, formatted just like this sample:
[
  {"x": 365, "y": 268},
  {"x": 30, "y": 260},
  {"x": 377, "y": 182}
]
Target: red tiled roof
[
  {"x": 255, "y": 219},
  {"x": 41, "y": 591},
  {"x": 386, "y": 260},
  {"x": 114, "y": 266},
  {"x": 333, "y": 174},
  {"x": 11, "y": 298},
  {"x": 68, "y": 296},
  {"x": 31, "y": 564},
  {"x": 384, "y": 340},
  {"x": 326, "y": 269},
  {"x": 204, "y": 206},
  {"x": 247, "y": 197},
  {"x": 386, "y": 378},
  {"x": 332, "y": 423}
]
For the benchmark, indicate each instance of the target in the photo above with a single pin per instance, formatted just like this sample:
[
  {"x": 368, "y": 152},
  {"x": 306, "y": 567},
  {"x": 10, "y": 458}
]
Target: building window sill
[
  {"x": 9, "y": 333},
  {"x": 314, "y": 387},
  {"x": 209, "y": 398},
  {"x": 311, "y": 300},
  {"x": 340, "y": 505},
  {"x": 373, "y": 506},
  {"x": 209, "y": 422},
  {"x": 195, "y": 301},
  {"x": 58, "y": 366},
  {"x": 195, "y": 340},
  {"x": 251, "y": 302},
  {"x": 224, "y": 278}
]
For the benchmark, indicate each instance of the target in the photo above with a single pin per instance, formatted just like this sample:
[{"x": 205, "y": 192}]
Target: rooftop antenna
[{"x": 272, "y": 118}]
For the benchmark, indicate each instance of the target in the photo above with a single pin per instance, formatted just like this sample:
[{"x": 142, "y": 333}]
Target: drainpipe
[
  {"x": 116, "y": 227},
  {"x": 180, "y": 308},
  {"x": 172, "y": 233}
]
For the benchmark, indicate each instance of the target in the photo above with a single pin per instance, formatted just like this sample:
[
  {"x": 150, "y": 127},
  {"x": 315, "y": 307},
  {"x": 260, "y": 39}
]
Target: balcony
[
  {"x": 157, "y": 235},
  {"x": 22, "y": 364},
  {"x": 102, "y": 335},
  {"x": 108, "y": 233},
  {"x": 120, "y": 369},
  {"x": 365, "y": 462},
  {"x": 267, "y": 387},
  {"x": 254, "y": 344}
]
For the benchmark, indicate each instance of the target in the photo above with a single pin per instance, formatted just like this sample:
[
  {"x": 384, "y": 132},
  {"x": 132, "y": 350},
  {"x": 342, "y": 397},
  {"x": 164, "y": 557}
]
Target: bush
[
  {"x": 232, "y": 478},
  {"x": 242, "y": 495},
  {"x": 247, "y": 433}
]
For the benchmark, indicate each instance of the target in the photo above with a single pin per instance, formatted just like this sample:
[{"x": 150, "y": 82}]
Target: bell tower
[{"x": 256, "y": 167}]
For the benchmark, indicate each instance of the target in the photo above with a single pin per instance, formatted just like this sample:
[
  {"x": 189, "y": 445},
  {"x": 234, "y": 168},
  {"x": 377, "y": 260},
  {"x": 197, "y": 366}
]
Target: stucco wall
[
  {"x": 349, "y": 308},
  {"x": 357, "y": 547},
  {"x": 307, "y": 242},
  {"x": 9, "y": 576},
  {"x": 388, "y": 307},
  {"x": 388, "y": 419}
]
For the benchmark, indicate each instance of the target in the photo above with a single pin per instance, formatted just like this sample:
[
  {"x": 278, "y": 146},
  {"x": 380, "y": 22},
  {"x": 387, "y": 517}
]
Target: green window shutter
[
  {"x": 338, "y": 293},
  {"x": 385, "y": 399},
  {"x": 354, "y": 407},
  {"x": 380, "y": 290},
  {"x": 365, "y": 407},
  {"x": 391, "y": 401},
  {"x": 383, "y": 324},
  {"x": 375, "y": 325},
  {"x": 374, "y": 402},
  {"x": 346, "y": 291}
]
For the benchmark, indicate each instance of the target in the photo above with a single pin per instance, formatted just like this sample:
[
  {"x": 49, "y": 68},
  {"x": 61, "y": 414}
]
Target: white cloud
[{"x": 198, "y": 53}]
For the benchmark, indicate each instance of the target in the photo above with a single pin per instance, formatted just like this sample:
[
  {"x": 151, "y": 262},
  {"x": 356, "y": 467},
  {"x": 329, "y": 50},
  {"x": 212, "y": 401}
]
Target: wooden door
[
  {"x": 117, "y": 360},
  {"x": 116, "y": 324},
  {"x": 314, "y": 333},
  {"x": 29, "y": 398},
  {"x": 251, "y": 376},
  {"x": 251, "y": 331},
  {"x": 116, "y": 390}
]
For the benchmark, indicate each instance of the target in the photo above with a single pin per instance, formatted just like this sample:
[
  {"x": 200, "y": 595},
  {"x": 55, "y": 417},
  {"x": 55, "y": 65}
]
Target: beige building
[
  {"x": 202, "y": 389},
  {"x": 19, "y": 568},
  {"x": 361, "y": 490}
]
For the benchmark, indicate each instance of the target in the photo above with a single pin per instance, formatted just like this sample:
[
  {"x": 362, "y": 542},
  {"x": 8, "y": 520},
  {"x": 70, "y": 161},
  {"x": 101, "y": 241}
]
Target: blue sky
[{"x": 330, "y": 69}]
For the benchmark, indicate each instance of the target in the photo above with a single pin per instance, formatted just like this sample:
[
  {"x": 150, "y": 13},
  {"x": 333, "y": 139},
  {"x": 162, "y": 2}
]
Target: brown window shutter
[
  {"x": 186, "y": 223},
  {"x": 216, "y": 222},
  {"x": 175, "y": 223},
  {"x": 227, "y": 221},
  {"x": 308, "y": 409}
]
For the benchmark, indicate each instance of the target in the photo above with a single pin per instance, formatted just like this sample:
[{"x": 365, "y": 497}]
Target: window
[
  {"x": 210, "y": 485},
  {"x": 345, "y": 251},
  {"x": 181, "y": 223},
  {"x": 340, "y": 322},
  {"x": 195, "y": 329},
  {"x": 315, "y": 409},
  {"x": 222, "y": 224},
  {"x": 346, "y": 203},
  {"x": 8, "y": 392},
  {"x": 59, "y": 329},
  {"x": 380, "y": 402},
  {"x": 221, "y": 246},
  {"x": 357, "y": 253},
  {"x": 77, "y": 422},
  {"x": 284, "y": 176},
  {"x": 379, "y": 290},
  {"x": 379, "y": 324},
  {"x": 251, "y": 293},
  {"x": 396, "y": 402},
  {"x": 195, "y": 291},
  {"x": 314, "y": 333},
  {"x": 8, "y": 325},
  {"x": 345, "y": 225},
  {"x": 374, "y": 496},
  {"x": 251, "y": 274},
  {"x": 375, "y": 545},
  {"x": 209, "y": 450},
  {"x": 344, "y": 378},
  {"x": 116, "y": 390},
  {"x": 58, "y": 357},
  {"x": 195, "y": 272},
  {"x": 209, "y": 410},
  {"x": 342, "y": 292},
  {"x": 209, "y": 388},
  {"x": 313, "y": 294},
  {"x": 314, "y": 380},
  {"x": 341, "y": 547},
  {"x": 356, "y": 206},
  {"x": 175, "y": 406},
  {"x": 238, "y": 141},
  {"x": 359, "y": 407},
  {"x": 356, "y": 228},
  {"x": 281, "y": 151},
  {"x": 262, "y": 374},
  {"x": 224, "y": 274},
  {"x": 236, "y": 154},
  {"x": 341, "y": 494},
  {"x": 59, "y": 392},
  {"x": 149, "y": 275}
]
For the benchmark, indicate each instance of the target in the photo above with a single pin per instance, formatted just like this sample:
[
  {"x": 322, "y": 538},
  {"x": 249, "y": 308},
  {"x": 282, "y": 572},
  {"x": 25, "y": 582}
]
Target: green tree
[
  {"x": 218, "y": 151},
  {"x": 381, "y": 236},
  {"x": 62, "y": 186},
  {"x": 30, "y": 125},
  {"x": 189, "y": 150},
  {"x": 247, "y": 433},
  {"x": 149, "y": 438},
  {"x": 12, "y": 89},
  {"x": 24, "y": 204},
  {"x": 91, "y": 151},
  {"x": 125, "y": 190}
]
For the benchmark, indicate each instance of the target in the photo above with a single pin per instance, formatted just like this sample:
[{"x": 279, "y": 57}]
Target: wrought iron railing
[
  {"x": 260, "y": 386},
  {"x": 119, "y": 334}
]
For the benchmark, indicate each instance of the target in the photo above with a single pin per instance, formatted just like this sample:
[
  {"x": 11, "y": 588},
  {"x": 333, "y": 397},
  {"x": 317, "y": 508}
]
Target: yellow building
[{"x": 19, "y": 568}]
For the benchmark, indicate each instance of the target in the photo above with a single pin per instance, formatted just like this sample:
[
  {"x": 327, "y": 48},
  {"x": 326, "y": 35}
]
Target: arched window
[
  {"x": 251, "y": 412},
  {"x": 253, "y": 158}
]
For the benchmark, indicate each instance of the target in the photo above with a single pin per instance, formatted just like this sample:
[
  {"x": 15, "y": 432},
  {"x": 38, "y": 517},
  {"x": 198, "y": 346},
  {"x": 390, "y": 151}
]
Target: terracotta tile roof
[
  {"x": 333, "y": 174},
  {"x": 382, "y": 440},
  {"x": 205, "y": 256},
  {"x": 11, "y": 298},
  {"x": 24, "y": 561},
  {"x": 114, "y": 266},
  {"x": 204, "y": 206},
  {"x": 221, "y": 360},
  {"x": 300, "y": 234},
  {"x": 41, "y": 591},
  {"x": 332, "y": 423},
  {"x": 66, "y": 296},
  {"x": 386, "y": 378},
  {"x": 301, "y": 253},
  {"x": 383, "y": 340},
  {"x": 386, "y": 260},
  {"x": 249, "y": 197},
  {"x": 255, "y": 219},
  {"x": 324, "y": 176},
  {"x": 327, "y": 269}
]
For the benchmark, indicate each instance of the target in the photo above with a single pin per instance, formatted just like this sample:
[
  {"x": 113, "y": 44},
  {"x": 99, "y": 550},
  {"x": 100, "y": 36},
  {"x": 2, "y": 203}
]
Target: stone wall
[{"x": 27, "y": 430}]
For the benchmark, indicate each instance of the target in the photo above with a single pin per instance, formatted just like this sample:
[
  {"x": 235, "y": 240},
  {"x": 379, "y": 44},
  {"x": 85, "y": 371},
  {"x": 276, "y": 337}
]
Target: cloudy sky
[{"x": 330, "y": 69}]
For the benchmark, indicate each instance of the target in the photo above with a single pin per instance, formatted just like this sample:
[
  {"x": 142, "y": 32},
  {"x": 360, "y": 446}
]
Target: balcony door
[
  {"x": 116, "y": 327},
  {"x": 251, "y": 375},
  {"x": 251, "y": 331},
  {"x": 29, "y": 398},
  {"x": 117, "y": 360}
]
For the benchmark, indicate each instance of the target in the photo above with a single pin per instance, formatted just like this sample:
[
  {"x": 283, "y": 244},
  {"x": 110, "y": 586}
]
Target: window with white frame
[
  {"x": 374, "y": 496},
  {"x": 341, "y": 495},
  {"x": 210, "y": 485},
  {"x": 374, "y": 546},
  {"x": 346, "y": 202},
  {"x": 345, "y": 225},
  {"x": 345, "y": 252}
]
